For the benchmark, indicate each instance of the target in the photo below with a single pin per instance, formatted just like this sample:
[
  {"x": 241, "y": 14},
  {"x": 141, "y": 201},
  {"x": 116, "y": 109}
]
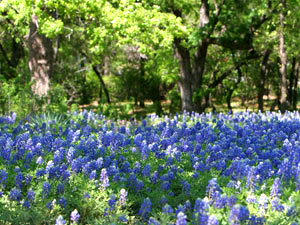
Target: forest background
[{"x": 131, "y": 57}]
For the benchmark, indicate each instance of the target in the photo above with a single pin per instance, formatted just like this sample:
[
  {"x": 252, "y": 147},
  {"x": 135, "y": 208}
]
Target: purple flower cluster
[{"x": 166, "y": 156}]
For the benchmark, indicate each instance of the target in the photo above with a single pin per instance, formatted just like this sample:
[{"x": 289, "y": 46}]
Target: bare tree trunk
[
  {"x": 186, "y": 77},
  {"x": 102, "y": 85},
  {"x": 40, "y": 62},
  {"x": 284, "y": 104},
  {"x": 262, "y": 80}
]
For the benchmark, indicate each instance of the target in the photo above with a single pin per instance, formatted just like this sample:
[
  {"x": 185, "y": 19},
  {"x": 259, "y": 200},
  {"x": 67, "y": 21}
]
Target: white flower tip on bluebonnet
[
  {"x": 60, "y": 220},
  {"x": 75, "y": 216}
]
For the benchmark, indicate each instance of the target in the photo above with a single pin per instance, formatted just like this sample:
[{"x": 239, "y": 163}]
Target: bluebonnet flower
[
  {"x": 170, "y": 175},
  {"x": 165, "y": 185},
  {"x": 46, "y": 189},
  {"x": 117, "y": 177},
  {"x": 58, "y": 157},
  {"x": 263, "y": 201},
  {"x": 231, "y": 200},
  {"x": 28, "y": 179},
  {"x": 221, "y": 201},
  {"x": 292, "y": 211},
  {"x": 167, "y": 209},
  {"x": 171, "y": 193},
  {"x": 75, "y": 216},
  {"x": 213, "y": 189},
  {"x": 163, "y": 200},
  {"x": 180, "y": 208},
  {"x": 104, "y": 178},
  {"x": 49, "y": 205},
  {"x": 19, "y": 180},
  {"x": 153, "y": 221},
  {"x": 40, "y": 173},
  {"x": 112, "y": 202},
  {"x": 132, "y": 180},
  {"x": 15, "y": 194},
  {"x": 60, "y": 220},
  {"x": 276, "y": 188},
  {"x": 26, "y": 204},
  {"x": 30, "y": 195},
  {"x": 251, "y": 198},
  {"x": 181, "y": 219},
  {"x": 154, "y": 177},
  {"x": 99, "y": 162},
  {"x": 70, "y": 154},
  {"x": 123, "y": 196},
  {"x": 60, "y": 188},
  {"x": 126, "y": 167},
  {"x": 93, "y": 175},
  {"x": 146, "y": 171},
  {"x": 238, "y": 214},
  {"x": 17, "y": 169},
  {"x": 186, "y": 187},
  {"x": 253, "y": 220},
  {"x": 62, "y": 202},
  {"x": 50, "y": 164},
  {"x": 3, "y": 177},
  {"x": 139, "y": 185},
  {"x": 195, "y": 175},
  {"x": 212, "y": 220},
  {"x": 86, "y": 195},
  {"x": 145, "y": 208},
  {"x": 187, "y": 205},
  {"x": 251, "y": 179},
  {"x": 276, "y": 205}
]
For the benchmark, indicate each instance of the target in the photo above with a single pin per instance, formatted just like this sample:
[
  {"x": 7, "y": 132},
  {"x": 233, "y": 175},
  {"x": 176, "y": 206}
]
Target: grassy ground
[{"x": 128, "y": 110}]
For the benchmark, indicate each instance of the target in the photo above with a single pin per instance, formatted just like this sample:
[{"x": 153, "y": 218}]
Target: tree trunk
[
  {"x": 143, "y": 83},
  {"x": 102, "y": 85},
  {"x": 284, "y": 104},
  {"x": 262, "y": 80},
  {"x": 186, "y": 76},
  {"x": 40, "y": 62}
]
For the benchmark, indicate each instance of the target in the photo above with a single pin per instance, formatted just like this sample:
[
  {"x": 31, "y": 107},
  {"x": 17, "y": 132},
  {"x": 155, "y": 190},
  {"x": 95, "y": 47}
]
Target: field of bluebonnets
[{"x": 241, "y": 168}]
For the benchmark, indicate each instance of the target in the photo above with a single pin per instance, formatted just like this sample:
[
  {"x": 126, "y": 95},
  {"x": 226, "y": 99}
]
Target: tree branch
[
  {"x": 102, "y": 83},
  {"x": 229, "y": 71}
]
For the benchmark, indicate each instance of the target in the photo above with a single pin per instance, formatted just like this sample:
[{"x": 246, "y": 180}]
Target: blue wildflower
[
  {"x": 238, "y": 214},
  {"x": 75, "y": 216},
  {"x": 104, "y": 178},
  {"x": 153, "y": 221},
  {"x": 112, "y": 202},
  {"x": 60, "y": 220},
  {"x": 62, "y": 202},
  {"x": 123, "y": 196},
  {"x": 212, "y": 220},
  {"x": 181, "y": 219},
  {"x": 167, "y": 209},
  {"x": 145, "y": 208},
  {"x": 46, "y": 189},
  {"x": 276, "y": 188},
  {"x": 15, "y": 194}
]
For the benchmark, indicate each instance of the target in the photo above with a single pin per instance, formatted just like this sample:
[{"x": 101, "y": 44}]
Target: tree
[{"x": 41, "y": 58}]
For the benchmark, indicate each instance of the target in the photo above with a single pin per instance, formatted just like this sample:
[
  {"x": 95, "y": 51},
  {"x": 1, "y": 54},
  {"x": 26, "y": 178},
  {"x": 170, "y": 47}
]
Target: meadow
[{"x": 84, "y": 168}]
